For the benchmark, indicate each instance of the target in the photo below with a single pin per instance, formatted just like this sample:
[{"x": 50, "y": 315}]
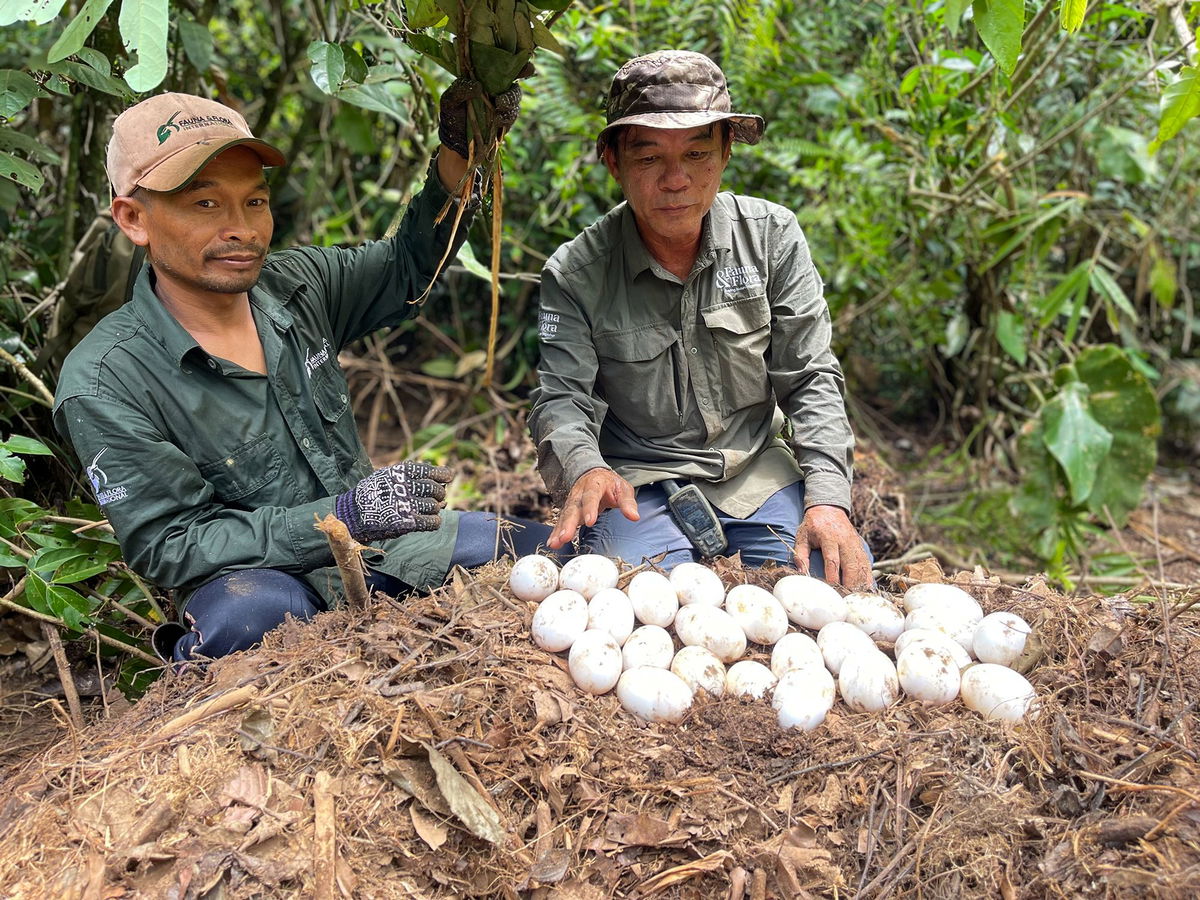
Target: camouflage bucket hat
[{"x": 673, "y": 89}]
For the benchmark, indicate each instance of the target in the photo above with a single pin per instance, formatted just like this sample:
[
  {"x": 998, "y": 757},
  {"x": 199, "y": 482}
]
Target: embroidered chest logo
[
  {"x": 105, "y": 495},
  {"x": 547, "y": 326},
  {"x": 320, "y": 358},
  {"x": 734, "y": 278}
]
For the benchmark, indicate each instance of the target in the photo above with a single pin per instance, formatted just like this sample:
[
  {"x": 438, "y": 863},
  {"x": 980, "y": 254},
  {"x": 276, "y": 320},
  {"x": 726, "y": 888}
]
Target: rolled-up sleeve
[{"x": 805, "y": 375}]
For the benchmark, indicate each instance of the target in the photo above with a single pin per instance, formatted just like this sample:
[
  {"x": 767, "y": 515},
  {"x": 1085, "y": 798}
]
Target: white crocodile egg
[
  {"x": 803, "y": 697},
  {"x": 749, "y": 679},
  {"x": 1000, "y": 638},
  {"x": 595, "y": 662},
  {"x": 943, "y": 595},
  {"x": 610, "y": 610},
  {"x": 559, "y": 620},
  {"x": 956, "y": 622},
  {"x": 588, "y": 574},
  {"x": 758, "y": 612},
  {"x": 700, "y": 669},
  {"x": 876, "y": 615},
  {"x": 649, "y": 645},
  {"x": 809, "y": 602},
  {"x": 928, "y": 673},
  {"x": 839, "y": 640},
  {"x": 937, "y": 639},
  {"x": 868, "y": 682},
  {"x": 533, "y": 578},
  {"x": 795, "y": 651},
  {"x": 653, "y": 598},
  {"x": 696, "y": 583},
  {"x": 701, "y": 625},
  {"x": 655, "y": 695},
  {"x": 996, "y": 692}
]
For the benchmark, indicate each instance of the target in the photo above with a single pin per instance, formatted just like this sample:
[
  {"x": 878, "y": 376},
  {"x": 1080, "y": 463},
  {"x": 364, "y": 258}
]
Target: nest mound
[{"x": 425, "y": 748}]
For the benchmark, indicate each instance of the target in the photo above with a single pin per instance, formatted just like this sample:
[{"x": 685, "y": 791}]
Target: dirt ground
[{"x": 426, "y": 748}]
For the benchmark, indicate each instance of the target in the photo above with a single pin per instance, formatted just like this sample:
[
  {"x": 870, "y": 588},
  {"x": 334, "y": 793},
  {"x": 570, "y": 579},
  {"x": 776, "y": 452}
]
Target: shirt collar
[
  {"x": 716, "y": 234},
  {"x": 175, "y": 338}
]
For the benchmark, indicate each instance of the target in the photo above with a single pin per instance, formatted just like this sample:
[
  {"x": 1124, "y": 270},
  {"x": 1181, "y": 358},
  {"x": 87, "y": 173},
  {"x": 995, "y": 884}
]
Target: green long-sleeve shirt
[
  {"x": 204, "y": 467},
  {"x": 657, "y": 378}
]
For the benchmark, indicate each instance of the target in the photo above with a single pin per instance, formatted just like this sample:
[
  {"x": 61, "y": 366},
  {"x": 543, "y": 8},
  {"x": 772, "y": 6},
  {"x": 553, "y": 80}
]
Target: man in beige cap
[
  {"x": 210, "y": 411},
  {"x": 688, "y": 403}
]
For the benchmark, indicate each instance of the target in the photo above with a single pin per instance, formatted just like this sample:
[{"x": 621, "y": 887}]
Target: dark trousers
[{"x": 233, "y": 611}]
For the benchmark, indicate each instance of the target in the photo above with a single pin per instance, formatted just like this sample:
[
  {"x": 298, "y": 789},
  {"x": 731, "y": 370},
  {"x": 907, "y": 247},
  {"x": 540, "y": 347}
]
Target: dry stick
[
  {"x": 44, "y": 396},
  {"x": 325, "y": 842},
  {"x": 347, "y": 553},
  {"x": 64, "y": 674},
  {"x": 836, "y": 764},
  {"x": 497, "y": 212}
]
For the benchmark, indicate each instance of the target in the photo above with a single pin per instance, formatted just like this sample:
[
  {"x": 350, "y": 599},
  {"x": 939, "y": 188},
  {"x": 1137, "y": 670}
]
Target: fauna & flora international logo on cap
[{"x": 161, "y": 143}]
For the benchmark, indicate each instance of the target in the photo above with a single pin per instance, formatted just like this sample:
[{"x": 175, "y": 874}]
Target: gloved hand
[
  {"x": 454, "y": 113},
  {"x": 393, "y": 501}
]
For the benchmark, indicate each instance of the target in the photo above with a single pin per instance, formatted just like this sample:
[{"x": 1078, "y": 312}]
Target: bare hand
[
  {"x": 595, "y": 491},
  {"x": 828, "y": 529}
]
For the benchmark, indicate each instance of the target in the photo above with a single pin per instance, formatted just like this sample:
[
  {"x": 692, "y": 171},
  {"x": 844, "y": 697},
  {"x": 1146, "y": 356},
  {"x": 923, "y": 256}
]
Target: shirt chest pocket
[
  {"x": 741, "y": 337},
  {"x": 637, "y": 375},
  {"x": 331, "y": 396},
  {"x": 250, "y": 476}
]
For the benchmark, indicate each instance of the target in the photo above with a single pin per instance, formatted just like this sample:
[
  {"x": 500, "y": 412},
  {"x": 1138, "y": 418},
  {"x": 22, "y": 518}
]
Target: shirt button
[
  {"x": 212, "y": 363},
  {"x": 694, "y": 350},
  {"x": 306, "y": 442}
]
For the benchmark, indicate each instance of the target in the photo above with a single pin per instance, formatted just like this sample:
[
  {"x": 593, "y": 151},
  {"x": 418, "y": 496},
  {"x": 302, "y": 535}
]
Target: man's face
[
  {"x": 670, "y": 177},
  {"x": 211, "y": 236}
]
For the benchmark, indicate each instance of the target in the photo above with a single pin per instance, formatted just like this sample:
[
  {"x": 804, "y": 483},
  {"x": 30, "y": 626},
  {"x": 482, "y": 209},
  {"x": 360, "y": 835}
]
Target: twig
[
  {"x": 64, "y": 674},
  {"x": 835, "y": 764},
  {"x": 44, "y": 396},
  {"x": 325, "y": 838},
  {"x": 347, "y": 553},
  {"x": 1138, "y": 786}
]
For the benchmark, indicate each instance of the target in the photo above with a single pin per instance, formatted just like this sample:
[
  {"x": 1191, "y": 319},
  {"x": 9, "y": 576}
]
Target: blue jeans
[
  {"x": 768, "y": 535},
  {"x": 233, "y": 611}
]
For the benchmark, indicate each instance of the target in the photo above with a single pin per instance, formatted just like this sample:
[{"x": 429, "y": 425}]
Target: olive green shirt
[
  {"x": 204, "y": 467},
  {"x": 657, "y": 378}
]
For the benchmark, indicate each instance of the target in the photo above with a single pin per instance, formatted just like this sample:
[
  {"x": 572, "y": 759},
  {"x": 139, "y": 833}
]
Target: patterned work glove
[
  {"x": 454, "y": 112},
  {"x": 393, "y": 501}
]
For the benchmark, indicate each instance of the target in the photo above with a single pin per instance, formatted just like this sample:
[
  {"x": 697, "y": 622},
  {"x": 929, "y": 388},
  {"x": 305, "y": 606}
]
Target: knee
[{"x": 233, "y": 612}]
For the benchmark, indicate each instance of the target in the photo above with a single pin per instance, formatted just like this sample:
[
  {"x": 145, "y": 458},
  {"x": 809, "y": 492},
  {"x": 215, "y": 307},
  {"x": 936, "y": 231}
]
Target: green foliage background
[{"x": 992, "y": 191}]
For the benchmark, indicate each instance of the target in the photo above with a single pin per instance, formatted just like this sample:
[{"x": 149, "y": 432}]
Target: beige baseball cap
[{"x": 161, "y": 143}]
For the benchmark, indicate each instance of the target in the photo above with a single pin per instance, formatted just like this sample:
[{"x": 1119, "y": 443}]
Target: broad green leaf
[
  {"x": 37, "y": 11},
  {"x": 1123, "y": 402},
  {"x": 422, "y": 13},
  {"x": 496, "y": 69},
  {"x": 79, "y": 569},
  {"x": 441, "y": 366},
  {"x": 1075, "y": 438},
  {"x": 1163, "y": 284},
  {"x": 1010, "y": 332},
  {"x": 12, "y": 468},
  {"x": 1000, "y": 24},
  {"x": 91, "y": 77},
  {"x": 47, "y": 560},
  {"x": 10, "y": 560},
  {"x": 1180, "y": 102},
  {"x": 19, "y": 443},
  {"x": 544, "y": 39},
  {"x": 1070, "y": 14},
  {"x": 328, "y": 65},
  {"x": 354, "y": 130},
  {"x": 17, "y": 89},
  {"x": 1021, "y": 236},
  {"x": 197, "y": 43},
  {"x": 95, "y": 59},
  {"x": 76, "y": 33},
  {"x": 378, "y": 98},
  {"x": 440, "y": 52},
  {"x": 356, "y": 68},
  {"x": 11, "y": 139},
  {"x": 16, "y": 511},
  {"x": 18, "y": 170},
  {"x": 67, "y": 605},
  {"x": 144, "y": 25},
  {"x": 1104, "y": 285},
  {"x": 954, "y": 10},
  {"x": 466, "y": 259}
]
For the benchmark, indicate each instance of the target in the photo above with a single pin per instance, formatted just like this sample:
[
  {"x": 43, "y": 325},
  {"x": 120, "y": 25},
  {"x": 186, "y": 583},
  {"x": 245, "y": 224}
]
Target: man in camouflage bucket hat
[{"x": 685, "y": 338}]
